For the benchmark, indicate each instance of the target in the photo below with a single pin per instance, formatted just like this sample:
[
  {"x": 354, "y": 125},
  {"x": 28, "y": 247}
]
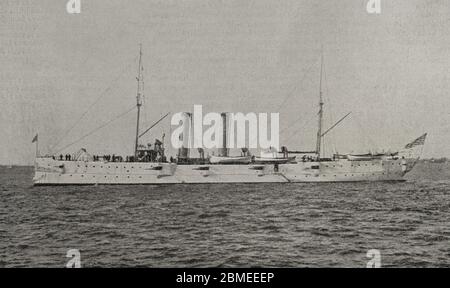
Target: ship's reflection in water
[{"x": 227, "y": 225}]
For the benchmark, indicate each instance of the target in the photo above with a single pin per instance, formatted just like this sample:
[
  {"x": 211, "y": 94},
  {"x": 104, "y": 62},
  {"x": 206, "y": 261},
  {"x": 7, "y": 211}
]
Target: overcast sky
[{"x": 391, "y": 70}]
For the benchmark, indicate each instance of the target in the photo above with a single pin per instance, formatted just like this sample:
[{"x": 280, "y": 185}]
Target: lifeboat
[
  {"x": 365, "y": 157},
  {"x": 274, "y": 160},
  {"x": 274, "y": 157}
]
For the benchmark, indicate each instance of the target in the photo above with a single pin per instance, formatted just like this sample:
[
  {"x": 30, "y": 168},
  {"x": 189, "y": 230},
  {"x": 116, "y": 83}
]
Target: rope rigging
[
  {"x": 302, "y": 127},
  {"x": 301, "y": 81},
  {"x": 91, "y": 106},
  {"x": 153, "y": 125},
  {"x": 302, "y": 116},
  {"x": 290, "y": 94},
  {"x": 96, "y": 129},
  {"x": 331, "y": 115}
]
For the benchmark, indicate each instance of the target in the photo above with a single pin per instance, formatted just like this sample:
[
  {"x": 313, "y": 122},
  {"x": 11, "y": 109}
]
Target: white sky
[{"x": 391, "y": 70}]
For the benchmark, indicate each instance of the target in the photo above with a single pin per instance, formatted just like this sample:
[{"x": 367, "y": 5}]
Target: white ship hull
[{"x": 53, "y": 172}]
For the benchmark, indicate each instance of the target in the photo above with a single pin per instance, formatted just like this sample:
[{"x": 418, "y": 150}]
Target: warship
[{"x": 150, "y": 165}]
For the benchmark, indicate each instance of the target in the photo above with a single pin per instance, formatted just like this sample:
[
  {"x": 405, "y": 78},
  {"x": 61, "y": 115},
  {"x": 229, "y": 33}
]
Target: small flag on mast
[{"x": 35, "y": 139}]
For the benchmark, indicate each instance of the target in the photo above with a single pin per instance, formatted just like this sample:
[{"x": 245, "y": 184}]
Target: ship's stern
[
  {"x": 411, "y": 153},
  {"x": 44, "y": 168}
]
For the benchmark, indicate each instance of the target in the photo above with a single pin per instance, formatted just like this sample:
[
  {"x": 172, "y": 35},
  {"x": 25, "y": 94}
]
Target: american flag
[{"x": 418, "y": 142}]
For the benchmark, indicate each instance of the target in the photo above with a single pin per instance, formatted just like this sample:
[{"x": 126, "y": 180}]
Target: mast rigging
[
  {"x": 139, "y": 95},
  {"x": 153, "y": 125},
  {"x": 336, "y": 124},
  {"x": 319, "y": 130}
]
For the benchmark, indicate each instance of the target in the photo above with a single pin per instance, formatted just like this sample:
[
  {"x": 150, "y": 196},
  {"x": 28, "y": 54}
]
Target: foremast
[
  {"x": 139, "y": 95},
  {"x": 320, "y": 114}
]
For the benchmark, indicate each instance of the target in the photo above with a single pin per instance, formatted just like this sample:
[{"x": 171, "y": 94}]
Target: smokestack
[
  {"x": 184, "y": 151},
  {"x": 224, "y": 151}
]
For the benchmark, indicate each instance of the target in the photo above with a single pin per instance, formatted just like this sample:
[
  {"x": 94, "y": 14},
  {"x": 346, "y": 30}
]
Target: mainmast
[
  {"x": 139, "y": 95},
  {"x": 319, "y": 130}
]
